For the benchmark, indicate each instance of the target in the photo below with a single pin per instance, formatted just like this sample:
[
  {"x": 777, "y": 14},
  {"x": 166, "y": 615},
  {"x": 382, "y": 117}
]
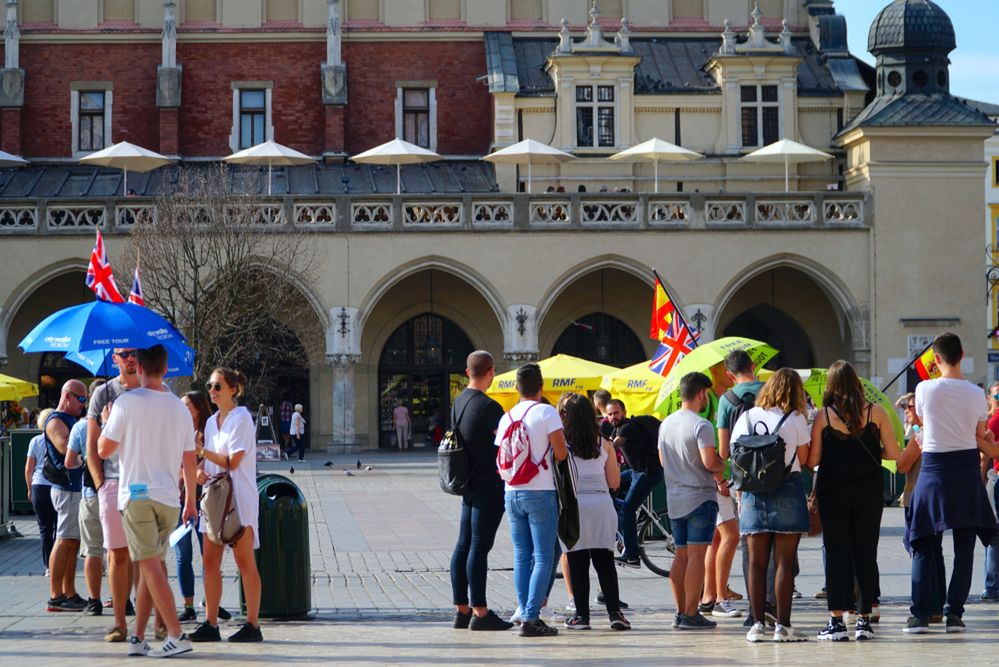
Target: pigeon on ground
[
  {"x": 291, "y": 470},
  {"x": 358, "y": 464},
  {"x": 328, "y": 464},
  {"x": 348, "y": 473},
  {"x": 369, "y": 468}
]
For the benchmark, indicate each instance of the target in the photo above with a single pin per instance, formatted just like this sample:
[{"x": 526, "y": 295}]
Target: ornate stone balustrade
[{"x": 461, "y": 213}]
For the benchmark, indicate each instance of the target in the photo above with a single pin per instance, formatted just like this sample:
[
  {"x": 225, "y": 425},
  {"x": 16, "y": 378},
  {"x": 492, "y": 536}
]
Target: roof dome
[{"x": 911, "y": 25}]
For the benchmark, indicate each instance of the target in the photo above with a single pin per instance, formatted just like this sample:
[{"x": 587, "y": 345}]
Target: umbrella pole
[
  {"x": 398, "y": 179},
  {"x": 787, "y": 177},
  {"x": 655, "y": 162},
  {"x": 124, "y": 186},
  {"x": 268, "y": 178},
  {"x": 528, "y": 178}
]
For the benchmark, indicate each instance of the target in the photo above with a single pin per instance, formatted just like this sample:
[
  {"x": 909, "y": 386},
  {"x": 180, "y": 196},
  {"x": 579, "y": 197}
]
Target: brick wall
[{"x": 204, "y": 121}]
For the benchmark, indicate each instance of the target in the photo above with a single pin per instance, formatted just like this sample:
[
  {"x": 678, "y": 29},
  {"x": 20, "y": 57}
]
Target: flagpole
[
  {"x": 884, "y": 390},
  {"x": 676, "y": 308}
]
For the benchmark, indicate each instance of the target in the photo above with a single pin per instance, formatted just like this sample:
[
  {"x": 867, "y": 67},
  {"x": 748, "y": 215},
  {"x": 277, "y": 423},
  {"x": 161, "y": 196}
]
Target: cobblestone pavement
[{"x": 380, "y": 548}]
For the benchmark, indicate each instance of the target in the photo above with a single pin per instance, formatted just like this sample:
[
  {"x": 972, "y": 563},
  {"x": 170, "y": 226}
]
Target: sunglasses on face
[
  {"x": 217, "y": 386},
  {"x": 125, "y": 354},
  {"x": 81, "y": 399}
]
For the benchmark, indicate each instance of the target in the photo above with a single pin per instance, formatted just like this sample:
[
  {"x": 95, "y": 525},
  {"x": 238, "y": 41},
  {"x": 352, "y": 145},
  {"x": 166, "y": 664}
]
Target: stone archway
[{"x": 788, "y": 308}]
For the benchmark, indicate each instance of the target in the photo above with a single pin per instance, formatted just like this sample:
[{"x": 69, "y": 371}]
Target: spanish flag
[
  {"x": 663, "y": 312},
  {"x": 926, "y": 366}
]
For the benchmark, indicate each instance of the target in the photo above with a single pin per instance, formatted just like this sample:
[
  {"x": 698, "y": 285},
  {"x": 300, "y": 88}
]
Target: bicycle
[{"x": 656, "y": 548}]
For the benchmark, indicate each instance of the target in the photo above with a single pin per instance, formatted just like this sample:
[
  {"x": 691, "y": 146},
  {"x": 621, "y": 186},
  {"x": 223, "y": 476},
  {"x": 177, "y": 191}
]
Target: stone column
[
  {"x": 334, "y": 81},
  {"x": 342, "y": 353},
  {"x": 168, "y": 79},
  {"x": 11, "y": 83},
  {"x": 859, "y": 319}
]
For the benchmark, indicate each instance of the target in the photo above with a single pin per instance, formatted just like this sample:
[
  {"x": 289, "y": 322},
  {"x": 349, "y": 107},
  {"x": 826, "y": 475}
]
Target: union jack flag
[
  {"x": 100, "y": 279},
  {"x": 135, "y": 296},
  {"x": 675, "y": 345}
]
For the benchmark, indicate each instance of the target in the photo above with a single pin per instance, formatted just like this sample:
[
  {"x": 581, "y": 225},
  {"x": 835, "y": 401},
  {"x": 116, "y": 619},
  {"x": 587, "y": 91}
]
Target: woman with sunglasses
[{"x": 230, "y": 443}]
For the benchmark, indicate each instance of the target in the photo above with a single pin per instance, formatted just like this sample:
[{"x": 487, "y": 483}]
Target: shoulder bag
[
  {"x": 453, "y": 466},
  {"x": 218, "y": 509},
  {"x": 564, "y": 473}
]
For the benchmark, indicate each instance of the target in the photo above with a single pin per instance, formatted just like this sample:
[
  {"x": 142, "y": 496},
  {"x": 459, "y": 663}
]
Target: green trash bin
[{"x": 283, "y": 557}]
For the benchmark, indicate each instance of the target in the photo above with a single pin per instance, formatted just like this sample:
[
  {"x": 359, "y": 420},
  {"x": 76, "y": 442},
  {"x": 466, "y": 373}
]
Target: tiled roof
[
  {"x": 919, "y": 111},
  {"x": 78, "y": 181},
  {"x": 987, "y": 108},
  {"x": 912, "y": 25},
  {"x": 667, "y": 66}
]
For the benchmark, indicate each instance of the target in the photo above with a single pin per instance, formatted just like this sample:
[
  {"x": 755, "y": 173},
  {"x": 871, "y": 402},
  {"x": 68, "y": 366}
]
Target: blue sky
[{"x": 974, "y": 65}]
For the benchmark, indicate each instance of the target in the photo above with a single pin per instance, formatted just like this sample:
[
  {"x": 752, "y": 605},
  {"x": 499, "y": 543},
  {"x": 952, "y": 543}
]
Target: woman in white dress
[
  {"x": 597, "y": 472},
  {"x": 230, "y": 443}
]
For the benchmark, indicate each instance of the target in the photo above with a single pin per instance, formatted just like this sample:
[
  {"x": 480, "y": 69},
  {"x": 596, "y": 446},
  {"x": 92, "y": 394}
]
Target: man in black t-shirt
[
  {"x": 637, "y": 439},
  {"x": 476, "y": 417}
]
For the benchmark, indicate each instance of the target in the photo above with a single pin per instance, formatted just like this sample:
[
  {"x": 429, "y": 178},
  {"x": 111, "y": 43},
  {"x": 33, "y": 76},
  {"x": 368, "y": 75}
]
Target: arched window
[
  {"x": 602, "y": 338},
  {"x": 422, "y": 366}
]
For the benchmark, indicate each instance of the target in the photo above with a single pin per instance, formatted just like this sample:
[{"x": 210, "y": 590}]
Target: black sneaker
[
  {"x": 601, "y": 599},
  {"x": 676, "y": 621},
  {"x": 489, "y": 622},
  {"x": 619, "y": 622},
  {"x": 536, "y": 628},
  {"x": 205, "y": 632},
  {"x": 189, "y": 614},
  {"x": 129, "y": 609},
  {"x": 247, "y": 633},
  {"x": 749, "y": 622},
  {"x": 94, "y": 607},
  {"x": 696, "y": 622},
  {"x": 577, "y": 622},
  {"x": 916, "y": 626},
  {"x": 864, "y": 630},
  {"x": 771, "y": 615},
  {"x": 224, "y": 614},
  {"x": 835, "y": 631},
  {"x": 705, "y": 608},
  {"x": 56, "y": 604},
  {"x": 77, "y": 601},
  {"x": 628, "y": 562},
  {"x": 955, "y": 624},
  {"x": 461, "y": 620}
]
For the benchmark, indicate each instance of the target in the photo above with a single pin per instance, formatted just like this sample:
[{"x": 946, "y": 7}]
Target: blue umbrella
[
  {"x": 180, "y": 360},
  {"x": 100, "y": 325}
]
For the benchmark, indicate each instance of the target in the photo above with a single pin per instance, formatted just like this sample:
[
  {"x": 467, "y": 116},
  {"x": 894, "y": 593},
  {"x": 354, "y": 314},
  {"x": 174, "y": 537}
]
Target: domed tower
[{"x": 912, "y": 40}]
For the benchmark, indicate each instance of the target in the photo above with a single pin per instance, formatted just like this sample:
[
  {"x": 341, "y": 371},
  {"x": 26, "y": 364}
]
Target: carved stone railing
[{"x": 460, "y": 213}]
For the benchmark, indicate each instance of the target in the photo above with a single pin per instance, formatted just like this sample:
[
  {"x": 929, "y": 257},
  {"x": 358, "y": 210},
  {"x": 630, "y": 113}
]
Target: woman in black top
[{"x": 850, "y": 436}]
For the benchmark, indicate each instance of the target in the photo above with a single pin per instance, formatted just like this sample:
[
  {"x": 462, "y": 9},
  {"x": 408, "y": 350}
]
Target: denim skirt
[{"x": 781, "y": 511}]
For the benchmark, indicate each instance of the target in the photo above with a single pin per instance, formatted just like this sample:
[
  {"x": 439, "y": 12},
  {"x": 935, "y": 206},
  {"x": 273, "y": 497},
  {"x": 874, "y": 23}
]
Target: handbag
[
  {"x": 218, "y": 509},
  {"x": 564, "y": 473},
  {"x": 453, "y": 466},
  {"x": 758, "y": 458}
]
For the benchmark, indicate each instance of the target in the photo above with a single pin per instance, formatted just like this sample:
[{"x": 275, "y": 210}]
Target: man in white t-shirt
[
  {"x": 949, "y": 494},
  {"x": 151, "y": 430},
  {"x": 531, "y": 507}
]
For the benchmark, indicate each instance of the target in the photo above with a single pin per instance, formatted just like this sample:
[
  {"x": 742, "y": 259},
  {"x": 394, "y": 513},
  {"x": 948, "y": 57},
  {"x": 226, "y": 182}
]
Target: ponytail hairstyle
[{"x": 233, "y": 378}]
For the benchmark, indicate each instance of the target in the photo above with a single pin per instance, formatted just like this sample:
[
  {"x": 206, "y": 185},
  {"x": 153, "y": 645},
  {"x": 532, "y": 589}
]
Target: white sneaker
[
  {"x": 171, "y": 646},
  {"x": 783, "y": 634},
  {"x": 137, "y": 646},
  {"x": 549, "y": 616},
  {"x": 726, "y": 609},
  {"x": 571, "y": 607},
  {"x": 757, "y": 633},
  {"x": 518, "y": 616}
]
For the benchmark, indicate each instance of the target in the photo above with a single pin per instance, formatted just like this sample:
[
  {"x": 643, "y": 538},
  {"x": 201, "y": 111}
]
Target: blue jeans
[
  {"x": 640, "y": 485},
  {"x": 481, "y": 514},
  {"x": 185, "y": 560},
  {"x": 297, "y": 445},
  {"x": 992, "y": 561},
  {"x": 533, "y": 517},
  {"x": 928, "y": 570}
]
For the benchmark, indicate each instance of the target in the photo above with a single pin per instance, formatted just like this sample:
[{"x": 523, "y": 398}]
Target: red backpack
[{"x": 513, "y": 460}]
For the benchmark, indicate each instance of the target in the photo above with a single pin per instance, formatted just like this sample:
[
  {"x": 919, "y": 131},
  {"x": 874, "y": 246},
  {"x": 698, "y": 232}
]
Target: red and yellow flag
[
  {"x": 926, "y": 366},
  {"x": 663, "y": 312}
]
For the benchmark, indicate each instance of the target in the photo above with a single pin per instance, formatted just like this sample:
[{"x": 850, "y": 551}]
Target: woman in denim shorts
[{"x": 779, "y": 518}]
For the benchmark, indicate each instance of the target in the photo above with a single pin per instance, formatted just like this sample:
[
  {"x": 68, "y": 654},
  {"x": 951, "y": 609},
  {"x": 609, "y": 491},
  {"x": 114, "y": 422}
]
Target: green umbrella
[
  {"x": 814, "y": 380},
  {"x": 702, "y": 359}
]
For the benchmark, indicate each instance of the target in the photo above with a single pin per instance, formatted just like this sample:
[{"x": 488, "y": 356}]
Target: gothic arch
[{"x": 27, "y": 288}]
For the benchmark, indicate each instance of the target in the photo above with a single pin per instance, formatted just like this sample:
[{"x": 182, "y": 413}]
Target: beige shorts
[
  {"x": 147, "y": 528},
  {"x": 726, "y": 509},
  {"x": 91, "y": 534}
]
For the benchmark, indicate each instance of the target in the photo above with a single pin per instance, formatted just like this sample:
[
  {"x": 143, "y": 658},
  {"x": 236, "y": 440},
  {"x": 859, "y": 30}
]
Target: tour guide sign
[{"x": 562, "y": 374}]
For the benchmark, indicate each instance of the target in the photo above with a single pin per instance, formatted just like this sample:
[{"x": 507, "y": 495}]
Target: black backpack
[
  {"x": 758, "y": 459},
  {"x": 453, "y": 466},
  {"x": 740, "y": 405}
]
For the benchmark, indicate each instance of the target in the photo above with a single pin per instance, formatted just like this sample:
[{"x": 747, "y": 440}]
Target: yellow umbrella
[
  {"x": 562, "y": 374},
  {"x": 636, "y": 386},
  {"x": 13, "y": 389}
]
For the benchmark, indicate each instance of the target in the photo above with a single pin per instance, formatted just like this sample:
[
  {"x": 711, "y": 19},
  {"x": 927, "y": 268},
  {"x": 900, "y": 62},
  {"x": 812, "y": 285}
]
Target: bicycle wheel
[{"x": 655, "y": 543}]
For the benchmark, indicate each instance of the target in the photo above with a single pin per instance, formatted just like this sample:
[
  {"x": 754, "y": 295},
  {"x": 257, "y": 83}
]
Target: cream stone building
[{"x": 866, "y": 257}]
